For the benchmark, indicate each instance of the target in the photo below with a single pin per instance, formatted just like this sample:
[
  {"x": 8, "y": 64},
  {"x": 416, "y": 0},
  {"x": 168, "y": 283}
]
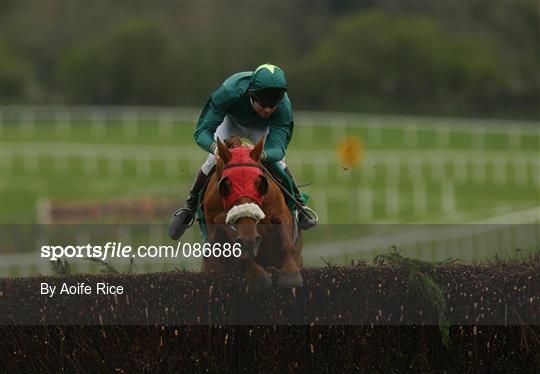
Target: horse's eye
[
  {"x": 261, "y": 184},
  {"x": 225, "y": 187}
]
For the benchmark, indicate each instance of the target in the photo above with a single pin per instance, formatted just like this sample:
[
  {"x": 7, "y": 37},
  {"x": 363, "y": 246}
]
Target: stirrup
[{"x": 311, "y": 213}]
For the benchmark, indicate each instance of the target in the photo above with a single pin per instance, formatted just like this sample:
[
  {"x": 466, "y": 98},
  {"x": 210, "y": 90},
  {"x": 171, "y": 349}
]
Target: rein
[
  {"x": 282, "y": 188},
  {"x": 298, "y": 204}
]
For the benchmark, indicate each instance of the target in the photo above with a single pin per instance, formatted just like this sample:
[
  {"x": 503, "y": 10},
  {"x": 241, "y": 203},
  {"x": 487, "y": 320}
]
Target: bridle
[
  {"x": 280, "y": 185},
  {"x": 238, "y": 164},
  {"x": 310, "y": 212},
  {"x": 248, "y": 169}
]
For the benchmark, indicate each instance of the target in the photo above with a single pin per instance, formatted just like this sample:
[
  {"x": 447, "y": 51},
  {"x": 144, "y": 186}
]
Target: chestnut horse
[{"x": 242, "y": 204}]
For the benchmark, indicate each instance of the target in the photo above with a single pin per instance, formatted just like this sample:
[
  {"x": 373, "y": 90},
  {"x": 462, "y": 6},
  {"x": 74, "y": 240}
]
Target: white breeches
[{"x": 227, "y": 128}]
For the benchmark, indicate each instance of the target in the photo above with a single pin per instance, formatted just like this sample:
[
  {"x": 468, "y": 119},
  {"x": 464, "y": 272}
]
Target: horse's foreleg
[
  {"x": 256, "y": 276},
  {"x": 219, "y": 232},
  {"x": 289, "y": 274}
]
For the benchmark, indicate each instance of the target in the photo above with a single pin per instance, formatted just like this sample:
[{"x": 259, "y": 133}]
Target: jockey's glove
[{"x": 215, "y": 151}]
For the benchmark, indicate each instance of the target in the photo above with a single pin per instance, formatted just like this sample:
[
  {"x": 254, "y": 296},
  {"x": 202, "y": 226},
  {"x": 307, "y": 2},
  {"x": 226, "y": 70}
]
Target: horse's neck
[{"x": 280, "y": 196}]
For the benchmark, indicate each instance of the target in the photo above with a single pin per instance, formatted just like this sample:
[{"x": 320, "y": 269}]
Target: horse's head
[{"x": 242, "y": 187}]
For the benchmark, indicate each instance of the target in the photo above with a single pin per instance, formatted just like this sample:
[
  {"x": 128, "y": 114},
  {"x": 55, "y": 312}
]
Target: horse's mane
[
  {"x": 236, "y": 142},
  {"x": 232, "y": 143}
]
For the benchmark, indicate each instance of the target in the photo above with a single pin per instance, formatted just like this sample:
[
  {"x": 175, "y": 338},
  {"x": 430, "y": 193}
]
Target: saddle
[{"x": 277, "y": 173}]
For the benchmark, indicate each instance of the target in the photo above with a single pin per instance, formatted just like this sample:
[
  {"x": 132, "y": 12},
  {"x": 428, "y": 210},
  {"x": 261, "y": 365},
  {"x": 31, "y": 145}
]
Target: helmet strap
[{"x": 251, "y": 101}]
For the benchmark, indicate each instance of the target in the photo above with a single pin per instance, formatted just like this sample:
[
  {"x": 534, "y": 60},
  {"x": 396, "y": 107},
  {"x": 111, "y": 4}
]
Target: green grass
[
  {"x": 21, "y": 189},
  {"x": 182, "y": 134},
  {"x": 23, "y": 186}
]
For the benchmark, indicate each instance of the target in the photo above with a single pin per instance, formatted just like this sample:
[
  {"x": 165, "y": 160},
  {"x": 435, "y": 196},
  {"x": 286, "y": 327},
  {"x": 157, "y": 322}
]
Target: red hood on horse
[{"x": 244, "y": 205}]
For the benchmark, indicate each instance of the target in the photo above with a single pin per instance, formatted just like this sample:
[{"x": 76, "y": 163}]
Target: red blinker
[{"x": 242, "y": 177}]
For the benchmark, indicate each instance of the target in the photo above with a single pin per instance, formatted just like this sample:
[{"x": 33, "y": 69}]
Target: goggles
[{"x": 271, "y": 101}]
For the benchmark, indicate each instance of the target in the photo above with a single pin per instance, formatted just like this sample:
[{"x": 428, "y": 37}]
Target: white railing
[
  {"x": 509, "y": 231},
  {"x": 165, "y": 117},
  {"x": 360, "y": 189},
  {"x": 446, "y": 169}
]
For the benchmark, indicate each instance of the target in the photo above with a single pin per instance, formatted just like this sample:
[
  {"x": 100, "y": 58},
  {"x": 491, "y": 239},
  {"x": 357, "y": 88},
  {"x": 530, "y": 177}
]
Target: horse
[{"x": 242, "y": 204}]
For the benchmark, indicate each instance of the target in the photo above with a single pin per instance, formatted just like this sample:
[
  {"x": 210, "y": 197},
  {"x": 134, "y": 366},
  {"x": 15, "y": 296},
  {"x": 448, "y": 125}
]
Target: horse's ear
[
  {"x": 255, "y": 153},
  {"x": 223, "y": 152},
  {"x": 219, "y": 166}
]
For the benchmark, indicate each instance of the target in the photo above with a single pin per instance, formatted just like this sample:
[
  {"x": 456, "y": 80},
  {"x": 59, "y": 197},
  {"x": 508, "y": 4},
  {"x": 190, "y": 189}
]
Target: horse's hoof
[
  {"x": 290, "y": 280},
  {"x": 261, "y": 283}
]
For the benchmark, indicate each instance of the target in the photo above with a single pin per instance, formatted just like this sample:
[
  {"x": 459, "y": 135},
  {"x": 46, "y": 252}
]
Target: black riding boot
[
  {"x": 305, "y": 221},
  {"x": 183, "y": 217}
]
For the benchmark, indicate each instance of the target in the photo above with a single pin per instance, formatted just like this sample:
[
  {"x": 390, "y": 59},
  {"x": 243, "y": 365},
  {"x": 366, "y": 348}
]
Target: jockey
[{"x": 251, "y": 104}]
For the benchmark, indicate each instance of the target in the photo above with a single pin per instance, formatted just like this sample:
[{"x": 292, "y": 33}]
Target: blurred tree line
[{"x": 479, "y": 58}]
